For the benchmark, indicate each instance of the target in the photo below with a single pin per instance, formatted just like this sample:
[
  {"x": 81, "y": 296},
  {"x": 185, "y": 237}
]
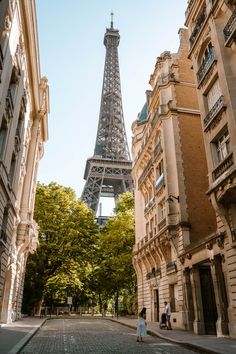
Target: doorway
[
  {"x": 156, "y": 305},
  {"x": 208, "y": 300}
]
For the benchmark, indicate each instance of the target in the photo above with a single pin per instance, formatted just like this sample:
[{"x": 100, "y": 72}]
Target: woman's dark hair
[{"x": 143, "y": 311}]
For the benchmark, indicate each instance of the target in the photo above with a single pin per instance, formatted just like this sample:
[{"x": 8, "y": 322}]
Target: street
[{"x": 72, "y": 336}]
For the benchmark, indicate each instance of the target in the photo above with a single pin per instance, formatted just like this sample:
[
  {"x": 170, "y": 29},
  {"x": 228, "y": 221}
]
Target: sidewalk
[
  {"x": 205, "y": 343},
  {"x": 15, "y": 335}
]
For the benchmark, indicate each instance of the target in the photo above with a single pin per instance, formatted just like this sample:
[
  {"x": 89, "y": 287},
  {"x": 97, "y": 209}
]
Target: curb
[
  {"x": 187, "y": 345},
  {"x": 22, "y": 343}
]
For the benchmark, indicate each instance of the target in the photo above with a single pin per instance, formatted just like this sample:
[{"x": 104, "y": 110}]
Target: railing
[
  {"x": 230, "y": 29},
  {"x": 215, "y": 110},
  {"x": 171, "y": 267},
  {"x": 206, "y": 65},
  {"x": 24, "y": 100},
  {"x": 198, "y": 27},
  {"x": 149, "y": 204},
  {"x": 223, "y": 166},
  {"x": 154, "y": 273},
  {"x": 9, "y": 103}
]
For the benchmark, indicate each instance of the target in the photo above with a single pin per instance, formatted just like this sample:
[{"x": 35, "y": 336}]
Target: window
[
  {"x": 161, "y": 210},
  {"x": 3, "y": 134},
  {"x": 12, "y": 168},
  {"x": 174, "y": 297},
  {"x": 3, "y": 232},
  {"x": 159, "y": 175},
  {"x": 214, "y": 94},
  {"x": 221, "y": 147},
  {"x": 209, "y": 51}
]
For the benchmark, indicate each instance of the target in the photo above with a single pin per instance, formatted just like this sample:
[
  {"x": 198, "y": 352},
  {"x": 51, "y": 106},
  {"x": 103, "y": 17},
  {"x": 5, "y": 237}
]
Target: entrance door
[
  {"x": 208, "y": 300},
  {"x": 156, "y": 305}
]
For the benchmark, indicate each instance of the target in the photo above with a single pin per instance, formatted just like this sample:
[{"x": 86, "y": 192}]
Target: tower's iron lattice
[{"x": 108, "y": 172}]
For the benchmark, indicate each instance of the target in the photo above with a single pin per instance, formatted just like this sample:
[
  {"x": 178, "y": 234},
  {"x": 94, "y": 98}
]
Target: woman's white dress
[{"x": 141, "y": 328}]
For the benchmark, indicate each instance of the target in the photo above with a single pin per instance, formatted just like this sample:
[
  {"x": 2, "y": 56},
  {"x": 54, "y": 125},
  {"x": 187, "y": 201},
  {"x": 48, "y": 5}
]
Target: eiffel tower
[{"x": 108, "y": 172}]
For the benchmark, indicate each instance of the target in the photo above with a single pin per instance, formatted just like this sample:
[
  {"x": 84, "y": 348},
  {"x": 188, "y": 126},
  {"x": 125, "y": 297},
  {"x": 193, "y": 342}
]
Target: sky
[{"x": 72, "y": 57}]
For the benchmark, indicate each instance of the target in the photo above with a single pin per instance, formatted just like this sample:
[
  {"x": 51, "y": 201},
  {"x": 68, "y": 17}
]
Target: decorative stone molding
[
  {"x": 188, "y": 256},
  {"x": 220, "y": 240},
  {"x": 209, "y": 245}
]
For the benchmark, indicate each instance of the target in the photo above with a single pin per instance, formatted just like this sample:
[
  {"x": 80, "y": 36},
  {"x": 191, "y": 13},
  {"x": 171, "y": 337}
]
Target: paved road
[{"x": 75, "y": 336}]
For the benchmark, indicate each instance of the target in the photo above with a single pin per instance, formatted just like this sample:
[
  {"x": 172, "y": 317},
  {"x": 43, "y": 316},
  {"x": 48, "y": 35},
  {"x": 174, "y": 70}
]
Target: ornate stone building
[
  {"x": 212, "y": 37},
  {"x": 24, "y": 105},
  {"x": 173, "y": 215}
]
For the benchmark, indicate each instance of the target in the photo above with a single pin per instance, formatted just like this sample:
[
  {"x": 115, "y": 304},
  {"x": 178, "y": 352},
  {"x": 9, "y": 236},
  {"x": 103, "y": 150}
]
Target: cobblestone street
[{"x": 70, "y": 336}]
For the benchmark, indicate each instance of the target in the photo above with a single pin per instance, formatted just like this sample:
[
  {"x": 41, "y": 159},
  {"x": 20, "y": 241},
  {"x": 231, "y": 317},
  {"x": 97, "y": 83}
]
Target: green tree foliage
[
  {"x": 113, "y": 274},
  {"x": 66, "y": 245}
]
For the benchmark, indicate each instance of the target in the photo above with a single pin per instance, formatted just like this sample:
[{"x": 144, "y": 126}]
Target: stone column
[
  {"x": 198, "y": 323},
  {"x": 220, "y": 296}
]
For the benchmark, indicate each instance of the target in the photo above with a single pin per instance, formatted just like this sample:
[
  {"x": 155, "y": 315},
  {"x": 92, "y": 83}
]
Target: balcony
[
  {"x": 223, "y": 166},
  {"x": 9, "y": 104},
  {"x": 156, "y": 272},
  {"x": 197, "y": 28},
  {"x": 171, "y": 267},
  {"x": 230, "y": 30},
  {"x": 218, "y": 107},
  {"x": 205, "y": 67},
  {"x": 149, "y": 205}
]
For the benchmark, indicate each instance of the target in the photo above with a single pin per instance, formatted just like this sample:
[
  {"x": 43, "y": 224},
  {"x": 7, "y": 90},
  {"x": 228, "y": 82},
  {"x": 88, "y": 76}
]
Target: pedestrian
[
  {"x": 168, "y": 314},
  {"x": 142, "y": 325}
]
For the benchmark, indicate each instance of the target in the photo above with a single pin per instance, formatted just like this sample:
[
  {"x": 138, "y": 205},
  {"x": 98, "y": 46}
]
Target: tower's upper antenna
[{"x": 112, "y": 14}]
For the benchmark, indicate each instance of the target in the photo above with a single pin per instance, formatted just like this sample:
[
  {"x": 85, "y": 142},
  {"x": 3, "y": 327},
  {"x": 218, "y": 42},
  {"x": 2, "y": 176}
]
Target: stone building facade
[
  {"x": 173, "y": 215},
  {"x": 24, "y": 106},
  {"x": 212, "y": 38}
]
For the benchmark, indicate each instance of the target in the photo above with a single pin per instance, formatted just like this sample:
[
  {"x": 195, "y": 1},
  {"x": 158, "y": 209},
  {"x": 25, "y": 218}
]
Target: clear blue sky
[{"x": 72, "y": 56}]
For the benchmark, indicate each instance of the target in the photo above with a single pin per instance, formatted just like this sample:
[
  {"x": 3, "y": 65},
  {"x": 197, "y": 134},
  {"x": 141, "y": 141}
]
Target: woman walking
[{"x": 142, "y": 325}]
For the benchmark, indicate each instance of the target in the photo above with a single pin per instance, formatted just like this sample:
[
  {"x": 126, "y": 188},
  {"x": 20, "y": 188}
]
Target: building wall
[
  {"x": 23, "y": 130},
  {"x": 172, "y": 210},
  {"x": 212, "y": 35}
]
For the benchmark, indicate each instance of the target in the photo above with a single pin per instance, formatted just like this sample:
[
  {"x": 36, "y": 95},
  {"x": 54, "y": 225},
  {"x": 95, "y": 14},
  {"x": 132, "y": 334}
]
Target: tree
[
  {"x": 113, "y": 273},
  {"x": 66, "y": 245}
]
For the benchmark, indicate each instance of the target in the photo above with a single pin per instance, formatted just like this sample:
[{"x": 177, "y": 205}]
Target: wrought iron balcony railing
[
  {"x": 223, "y": 166},
  {"x": 230, "y": 30},
  {"x": 156, "y": 272},
  {"x": 206, "y": 65},
  {"x": 213, "y": 113},
  {"x": 9, "y": 104},
  {"x": 197, "y": 28}
]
